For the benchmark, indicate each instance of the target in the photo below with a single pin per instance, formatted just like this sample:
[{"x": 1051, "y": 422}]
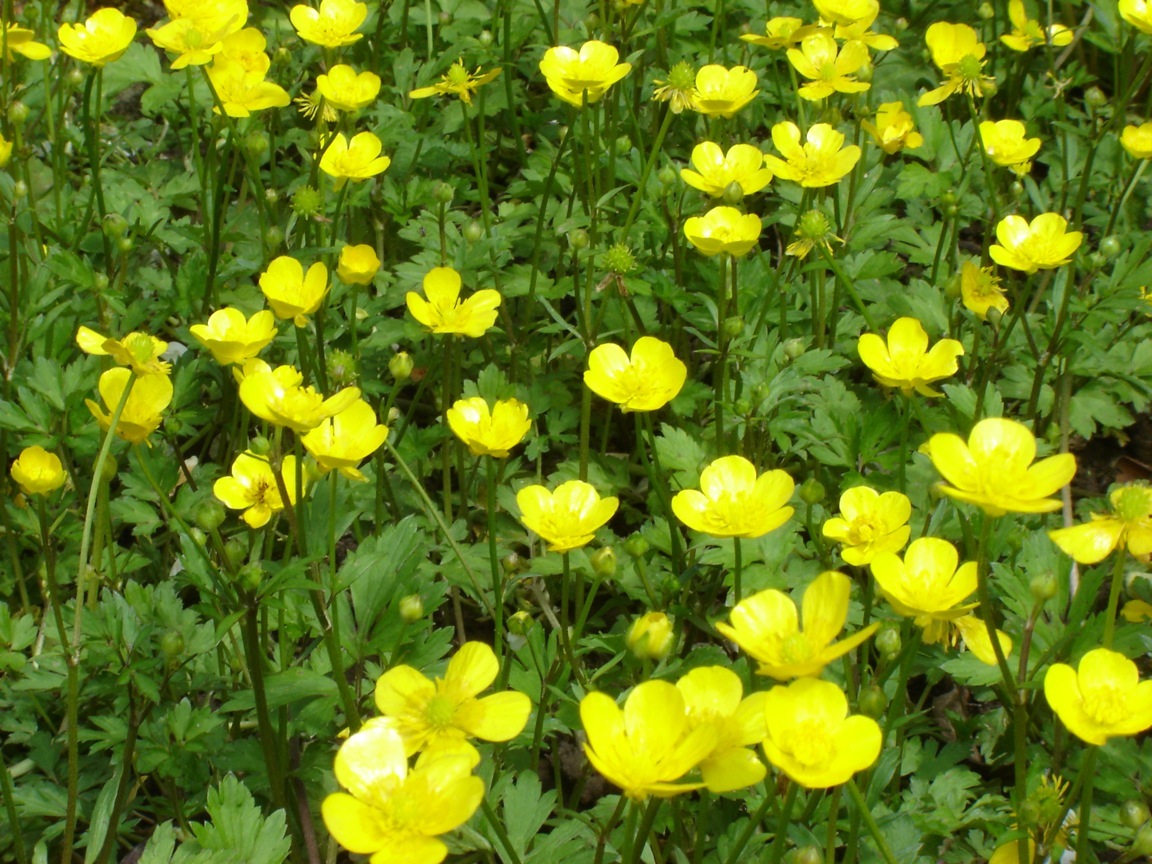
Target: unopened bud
[
  {"x": 650, "y": 636},
  {"x": 1134, "y": 813},
  {"x": 114, "y": 226},
  {"x": 873, "y": 702},
  {"x": 411, "y": 608},
  {"x": 172, "y": 644},
  {"x": 17, "y": 113},
  {"x": 510, "y": 563},
  {"x": 888, "y": 641},
  {"x": 578, "y": 239},
  {"x": 812, "y": 491},
  {"x": 604, "y": 562},
  {"x": 1094, "y": 97},
  {"x": 666, "y": 175},
  {"x": 733, "y": 326},
  {"x": 209, "y": 514},
  {"x": 485, "y": 38},
  {"x": 521, "y": 623},
  {"x": 636, "y": 546},
  {"x": 733, "y": 194},
  {"x": 1043, "y": 587},
  {"x": 235, "y": 551},
  {"x": 400, "y": 366},
  {"x": 250, "y": 576},
  {"x": 443, "y": 193},
  {"x": 473, "y": 232},
  {"x": 260, "y": 446}
]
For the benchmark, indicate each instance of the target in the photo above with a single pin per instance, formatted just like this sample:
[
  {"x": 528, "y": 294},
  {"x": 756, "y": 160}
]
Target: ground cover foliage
[{"x": 659, "y": 431}]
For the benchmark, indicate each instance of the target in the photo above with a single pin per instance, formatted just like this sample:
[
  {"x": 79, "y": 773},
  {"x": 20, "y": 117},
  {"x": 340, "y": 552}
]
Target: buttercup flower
[
  {"x": 358, "y": 265},
  {"x": 247, "y": 47},
  {"x": 197, "y": 30},
  {"x": 142, "y": 414},
  {"x": 104, "y": 37},
  {"x": 344, "y": 440},
  {"x": 1102, "y": 697},
  {"x": 582, "y": 77},
  {"x": 277, "y": 395},
  {"x": 651, "y": 636},
  {"x": 357, "y": 159},
  {"x": 959, "y": 54},
  {"x": 1005, "y": 144},
  {"x": 926, "y": 585},
  {"x": 567, "y": 518},
  {"x": 821, "y": 161},
  {"x": 333, "y": 25},
  {"x": 345, "y": 89},
  {"x": 232, "y": 338},
  {"x": 429, "y": 714},
  {"x": 645, "y": 381},
  {"x": 780, "y": 33},
  {"x": 869, "y": 523},
  {"x": 139, "y": 351},
  {"x": 723, "y": 229},
  {"x": 252, "y": 487},
  {"x": 847, "y": 12},
  {"x": 1027, "y": 32},
  {"x": 813, "y": 229},
  {"x": 242, "y": 91},
  {"x": 980, "y": 290},
  {"x": 828, "y": 68},
  {"x": 38, "y": 471},
  {"x": 21, "y": 40},
  {"x": 5, "y": 151},
  {"x": 714, "y": 697},
  {"x": 743, "y": 165},
  {"x": 1137, "y": 141},
  {"x": 393, "y": 813},
  {"x": 648, "y": 746},
  {"x": 456, "y": 81},
  {"x": 1043, "y": 244},
  {"x": 1137, "y": 13},
  {"x": 443, "y": 311},
  {"x": 905, "y": 361},
  {"x": 722, "y": 92},
  {"x": 290, "y": 292},
  {"x": 994, "y": 469},
  {"x": 678, "y": 89},
  {"x": 766, "y": 626},
  {"x": 893, "y": 129},
  {"x": 812, "y": 739},
  {"x": 974, "y": 633},
  {"x": 734, "y": 502},
  {"x": 489, "y": 432},
  {"x": 1129, "y": 526}
]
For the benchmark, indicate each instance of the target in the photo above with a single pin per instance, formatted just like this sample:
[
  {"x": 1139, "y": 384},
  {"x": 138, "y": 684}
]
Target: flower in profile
[
  {"x": 1137, "y": 141},
  {"x": 1005, "y": 143},
  {"x": 38, "y": 471},
  {"x": 651, "y": 636},
  {"x": 847, "y": 12},
  {"x": 278, "y": 396},
  {"x": 980, "y": 290},
  {"x": 429, "y": 714},
  {"x": 958, "y": 52},
  {"x": 1129, "y": 526},
  {"x": 828, "y": 68},
  {"x": 869, "y": 523},
  {"x": 102, "y": 38},
  {"x": 1027, "y": 32},
  {"x": 568, "y": 517},
  {"x": 358, "y": 265},
  {"x": 346, "y": 89},
  {"x": 1101, "y": 698},
  {"x": 582, "y": 77},
  {"x": 678, "y": 89},
  {"x": 780, "y": 33},
  {"x": 1138, "y": 13},
  {"x": 994, "y": 469},
  {"x": 905, "y": 361},
  {"x": 926, "y": 585},
  {"x": 489, "y": 431},
  {"x": 974, "y": 633},
  {"x": 143, "y": 411},
  {"x": 233, "y": 338},
  {"x": 5, "y": 151},
  {"x": 733, "y": 501},
  {"x": 645, "y": 381},
  {"x": 743, "y": 165},
  {"x": 333, "y": 25},
  {"x": 821, "y": 161},
  {"x": 893, "y": 129},
  {"x": 721, "y": 92},
  {"x": 395, "y": 813},
  {"x": 457, "y": 81},
  {"x": 291, "y": 293},
  {"x": 22, "y": 41},
  {"x": 344, "y": 440},
  {"x": 648, "y": 746},
  {"x": 714, "y": 697},
  {"x": 860, "y": 30},
  {"x": 723, "y": 229},
  {"x": 1044, "y": 244},
  {"x": 767, "y": 627},
  {"x": 357, "y": 159},
  {"x": 444, "y": 312},
  {"x": 242, "y": 91},
  {"x": 139, "y": 351},
  {"x": 252, "y": 487},
  {"x": 811, "y": 737}
]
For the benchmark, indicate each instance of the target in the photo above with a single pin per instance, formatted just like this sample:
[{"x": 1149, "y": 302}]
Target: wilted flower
[
  {"x": 733, "y": 501},
  {"x": 905, "y": 361},
  {"x": 893, "y": 129},
  {"x": 743, "y": 165},
  {"x": 1129, "y": 526},
  {"x": 347, "y": 90},
  {"x": 679, "y": 89},
  {"x": 1101, "y": 698},
  {"x": 813, "y": 229},
  {"x": 444, "y": 312},
  {"x": 821, "y": 161},
  {"x": 142, "y": 414},
  {"x": 722, "y": 92},
  {"x": 1027, "y": 32},
  {"x": 723, "y": 229},
  {"x": 1137, "y": 141},
  {"x": 645, "y": 381},
  {"x": 38, "y": 471},
  {"x": 489, "y": 432},
  {"x": 566, "y": 518},
  {"x": 714, "y": 697},
  {"x": 232, "y": 338},
  {"x": 290, "y": 292},
  {"x": 869, "y": 523},
  {"x": 358, "y": 265},
  {"x": 139, "y": 351},
  {"x": 980, "y": 290},
  {"x": 344, "y": 440},
  {"x": 333, "y": 25},
  {"x": 456, "y": 81},
  {"x": 1005, "y": 144},
  {"x": 651, "y": 636},
  {"x": 357, "y": 159},
  {"x": 828, "y": 68},
  {"x": 582, "y": 77},
  {"x": 959, "y": 54},
  {"x": 102, "y": 38},
  {"x": 252, "y": 487},
  {"x": 1043, "y": 244},
  {"x": 278, "y": 396}
]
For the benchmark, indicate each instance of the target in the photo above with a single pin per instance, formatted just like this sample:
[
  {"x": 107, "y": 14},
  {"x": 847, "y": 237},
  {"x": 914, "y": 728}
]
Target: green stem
[
  {"x": 754, "y": 820},
  {"x": 1088, "y": 772},
  {"x": 721, "y": 377},
  {"x": 92, "y": 140},
  {"x": 255, "y": 658},
  {"x": 738, "y": 567},
  {"x": 780, "y": 840},
  {"x": 606, "y": 832},
  {"x": 498, "y": 827},
  {"x": 665, "y": 122},
  {"x": 636, "y": 849},
  {"x": 1114, "y": 596},
  {"x": 833, "y": 813},
  {"x": 658, "y": 480},
  {"x": 585, "y": 430},
  {"x": 9, "y": 796},
  {"x": 493, "y": 556},
  {"x": 870, "y": 822}
]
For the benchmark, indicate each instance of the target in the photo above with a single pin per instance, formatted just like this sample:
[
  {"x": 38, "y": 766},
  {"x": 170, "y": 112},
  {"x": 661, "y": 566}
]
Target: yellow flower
[
  {"x": 974, "y": 632},
  {"x": 1009, "y": 853},
  {"x": 582, "y": 77},
  {"x": 906, "y": 361},
  {"x": 1137, "y": 13},
  {"x": 869, "y": 523},
  {"x": 994, "y": 469},
  {"x": 457, "y": 80},
  {"x": 104, "y": 37},
  {"x": 444, "y": 312},
  {"x": 142, "y": 414},
  {"x": 734, "y": 502},
  {"x": 645, "y": 381},
  {"x": 980, "y": 289},
  {"x": 1045, "y": 244},
  {"x": 241, "y": 91},
  {"x": 1027, "y": 32},
  {"x": 1005, "y": 144},
  {"x": 291, "y": 293},
  {"x": 723, "y": 229},
  {"x": 139, "y": 351},
  {"x": 344, "y": 440},
  {"x": 1129, "y": 525},
  {"x": 333, "y": 25},
  {"x": 829, "y": 69},
  {"x": 847, "y": 12},
  {"x": 812, "y": 739},
  {"x": 821, "y": 161},
  {"x": 780, "y": 33},
  {"x": 278, "y": 396},
  {"x": 859, "y": 30},
  {"x": 246, "y": 47},
  {"x": 1137, "y": 141},
  {"x": 357, "y": 159},
  {"x": 345, "y": 89},
  {"x": 722, "y": 92},
  {"x": 198, "y": 29},
  {"x": 651, "y": 636},
  {"x": 5, "y": 151},
  {"x": 37, "y": 471},
  {"x": 959, "y": 54},
  {"x": 252, "y": 487},
  {"x": 648, "y": 746},
  {"x": 429, "y": 714},
  {"x": 678, "y": 89},
  {"x": 766, "y": 627},
  {"x": 21, "y": 40},
  {"x": 1102, "y": 697},
  {"x": 893, "y": 129},
  {"x": 926, "y": 585},
  {"x": 1136, "y": 611},
  {"x": 743, "y": 165},
  {"x": 489, "y": 432},
  {"x": 567, "y": 518},
  {"x": 232, "y": 338},
  {"x": 358, "y": 265},
  {"x": 394, "y": 813},
  {"x": 714, "y": 698}
]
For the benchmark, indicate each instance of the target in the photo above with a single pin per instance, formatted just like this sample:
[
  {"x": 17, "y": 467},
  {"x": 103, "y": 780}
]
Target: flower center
[
  {"x": 796, "y": 648},
  {"x": 1133, "y": 503},
  {"x": 1106, "y": 705},
  {"x": 811, "y": 744},
  {"x": 440, "y": 711}
]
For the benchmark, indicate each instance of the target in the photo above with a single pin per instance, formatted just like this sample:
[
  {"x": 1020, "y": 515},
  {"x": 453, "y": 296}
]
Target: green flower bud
[
  {"x": 811, "y": 491},
  {"x": 307, "y": 201},
  {"x": 1110, "y": 246},
  {"x": 256, "y": 143},
  {"x": 485, "y": 38},
  {"x": 666, "y": 175},
  {"x": 651, "y": 636},
  {"x": 733, "y": 326},
  {"x": 18, "y": 113},
  {"x": 808, "y": 855},
  {"x": 473, "y": 232},
  {"x": 623, "y": 145},
  {"x": 443, "y": 193},
  {"x": 794, "y": 348},
  {"x": 636, "y": 546},
  {"x": 873, "y": 702},
  {"x": 578, "y": 238},
  {"x": 401, "y": 365},
  {"x": 114, "y": 226},
  {"x": 209, "y": 514},
  {"x": 172, "y": 644},
  {"x": 250, "y": 576},
  {"x": 341, "y": 368},
  {"x": 411, "y": 608},
  {"x": 1142, "y": 845},
  {"x": 511, "y": 563},
  {"x": 1095, "y": 98},
  {"x": 260, "y": 445},
  {"x": 1134, "y": 813},
  {"x": 111, "y": 469},
  {"x": 604, "y": 562},
  {"x": 985, "y": 11},
  {"x": 521, "y": 623},
  {"x": 101, "y": 283},
  {"x": 619, "y": 259},
  {"x": 19, "y": 190},
  {"x": 888, "y": 641},
  {"x": 235, "y": 550},
  {"x": 1043, "y": 587},
  {"x": 733, "y": 194}
]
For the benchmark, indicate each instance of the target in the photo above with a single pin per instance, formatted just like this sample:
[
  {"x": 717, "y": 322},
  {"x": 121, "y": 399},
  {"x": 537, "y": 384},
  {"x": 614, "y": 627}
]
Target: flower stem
[
  {"x": 656, "y": 478},
  {"x": 1114, "y": 596},
  {"x": 493, "y": 556},
  {"x": 754, "y": 820},
  {"x": 665, "y": 122},
  {"x": 785, "y": 817},
  {"x": 737, "y": 570},
  {"x": 1088, "y": 772},
  {"x": 870, "y": 822},
  {"x": 639, "y": 841},
  {"x": 13, "y": 817}
]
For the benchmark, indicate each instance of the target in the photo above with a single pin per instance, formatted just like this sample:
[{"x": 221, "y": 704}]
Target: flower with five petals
[
  {"x": 958, "y": 52},
  {"x": 1005, "y": 143},
  {"x": 905, "y": 360},
  {"x": 1129, "y": 525},
  {"x": 233, "y": 338},
  {"x": 723, "y": 229},
  {"x": 253, "y": 488},
  {"x": 1044, "y": 244},
  {"x": 926, "y": 585},
  {"x": 568, "y": 517},
  {"x": 139, "y": 351},
  {"x": 489, "y": 431},
  {"x": 1137, "y": 141},
  {"x": 290, "y": 292},
  {"x": 645, "y": 381},
  {"x": 333, "y": 25},
  {"x": 829, "y": 68},
  {"x": 278, "y": 396},
  {"x": 357, "y": 159},
  {"x": 714, "y": 697},
  {"x": 1027, "y": 32},
  {"x": 716, "y": 170},
  {"x": 358, "y": 265},
  {"x": 1102, "y": 697},
  {"x": 444, "y": 312},
  {"x": 102, "y": 38},
  {"x": 582, "y": 77},
  {"x": 721, "y": 92},
  {"x": 21, "y": 40},
  {"x": 344, "y": 440},
  {"x": 734, "y": 502},
  {"x": 346, "y": 89},
  {"x": 1138, "y": 13},
  {"x": 143, "y": 411},
  {"x": 869, "y": 523},
  {"x": 893, "y": 129},
  {"x": 821, "y": 161}
]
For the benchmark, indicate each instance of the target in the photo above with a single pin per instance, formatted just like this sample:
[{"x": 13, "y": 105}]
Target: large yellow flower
[
  {"x": 344, "y": 440},
  {"x": 723, "y": 229},
  {"x": 346, "y": 89},
  {"x": 333, "y": 25},
  {"x": 102, "y": 38},
  {"x": 722, "y": 92},
  {"x": 568, "y": 517},
  {"x": 714, "y": 697},
  {"x": 734, "y": 502},
  {"x": 277, "y": 395},
  {"x": 1129, "y": 525},
  {"x": 489, "y": 431},
  {"x": 716, "y": 170},
  {"x": 905, "y": 360},
  {"x": 828, "y": 68},
  {"x": 1102, "y": 697},
  {"x": 241, "y": 90},
  {"x": 1005, "y": 143},
  {"x": 38, "y": 471},
  {"x": 959, "y": 54},
  {"x": 198, "y": 29},
  {"x": 358, "y": 265},
  {"x": 645, "y": 381},
  {"x": 143, "y": 412},
  {"x": 926, "y": 584},
  {"x": 869, "y": 523},
  {"x": 233, "y": 338},
  {"x": 290, "y": 292},
  {"x": 443, "y": 311},
  {"x": 582, "y": 77},
  {"x": 357, "y": 159},
  {"x": 821, "y": 161},
  {"x": 252, "y": 487}
]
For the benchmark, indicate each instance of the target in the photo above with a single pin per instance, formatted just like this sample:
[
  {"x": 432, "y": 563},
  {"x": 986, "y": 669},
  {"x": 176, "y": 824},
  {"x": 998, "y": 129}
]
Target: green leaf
[
  {"x": 284, "y": 688},
  {"x": 681, "y": 454},
  {"x": 239, "y": 828},
  {"x": 525, "y": 810}
]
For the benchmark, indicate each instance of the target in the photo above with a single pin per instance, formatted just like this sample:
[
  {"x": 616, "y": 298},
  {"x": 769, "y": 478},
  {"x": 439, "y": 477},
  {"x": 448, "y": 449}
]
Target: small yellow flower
[
  {"x": 1129, "y": 526},
  {"x": 444, "y": 312},
  {"x": 743, "y": 165},
  {"x": 906, "y": 361},
  {"x": 567, "y": 518},
  {"x": 489, "y": 432},
  {"x": 780, "y": 33},
  {"x": 959, "y": 54},
  {"x": 893, "y": 129},
  {"x": 197, "y": 30},
  {"x": 21, "y": 40},
  {"x": 456, "y": 81},
  {"x": 980, "y": 290},
  {"x": 678, "y": 89},
  {"x": 357, "y": 159},
  {"x": 1005, "y": 144},
  {"x": 1102, "y": 697},
  {"x": 344, "y": 440},
  {"x": 733, "y": 501},
  {"x": 278, "y": 396},
  {"x": 346, "y": 90},
  {"x": 5, "y": 151},
  {"x": 847, "y": 12},
  {"x": 722, "y": 92},
  {"x": 358, "y": 265},
  {"x": 926, "y": 585},
  {"x": 1138, "y": 13},
  {"x": 645, "y": 381},
  {"x": 714, "y": 697},
  {"x": 333, "y": 25},
  {"x": 143, "y": 412},
  {"x": 869, "y": 523},
  {"x": 232, "y": 338},
  {"x": 651, "y": 636},
  {"x": 1044, "y": 244},
  {"x": 252, "y": 487},
  {"x": 292, "y": 294},
  {"x": 821, "y": 161},
  {"x": 582, "y": 77},
  {"x": 242, "y": 91},
  {"x": 828, "y": 68},
  {"x": 38, "y": 471},
  {"x": 1137, "y": 141},
  {"x": 104, "y": 37},
  {"x": 723, "y": 229},
  {"x": 139, "y": 351},
  {"x": 1027, "y": 32}
]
